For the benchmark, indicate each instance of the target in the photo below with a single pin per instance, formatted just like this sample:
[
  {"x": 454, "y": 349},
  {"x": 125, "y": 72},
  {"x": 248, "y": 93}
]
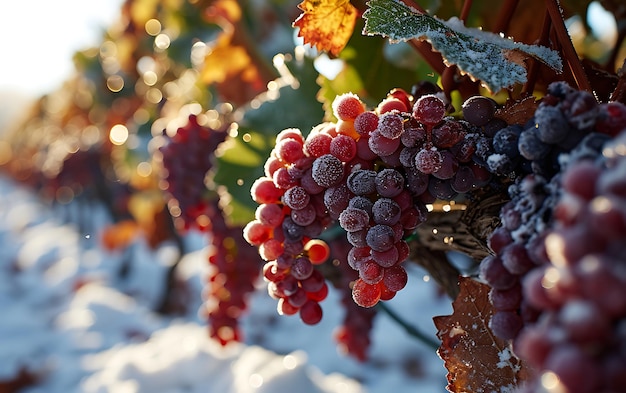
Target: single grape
[
  {"x": 362, "y": 182},
  {"x": 387, "y": 258},
  {"x": 264, "y": 190},
  {"x": 395, "y": 278},
  {"x": 479, "y": 110},
  {"x": 317, "y": 144},
  {"x": 382, "y": 145},
  {"x": 270, "y": 214},
  {"x": 390, "y": 104},
  {"x": 380, "y": 237},
  {"x": 428, "y": 160},
  {"x": 353, "y": 219},
  {"x": 311, "y": 312},
  {"x": 371, "y": 272},
  {"x": 386, "y": 211},
  {"x": 347, "y": 106},
  {"x": 448, "y": 168},
  {"x": 361, "y": 202},
  {"x": 296, "y": 197},
  {"x": 506, "y": 324},
  {"x": 365, "y": 123},
  {"x": 552, "y": 126},
  {"x": 429, "y": 109},
  {"x": 289, "y": 150},
  {"x": 447, "y": 134},
  {"x": 305, "y": 216},
  {"x": 327, "y": 170},
  {"x": 389, "y": 182},
  {"x": 390, "y": 125},
  {"x": 364, "y": 294},
  {"x": 343, "y": 147}
]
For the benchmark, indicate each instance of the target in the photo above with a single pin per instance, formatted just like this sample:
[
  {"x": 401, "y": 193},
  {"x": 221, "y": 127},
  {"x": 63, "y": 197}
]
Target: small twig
[
  {"x": 170, "y": 278},
  {"x": 533, "y": 70},
  {"x": 504, "y": 16},
  {"x": 467, "y": 6},
  {"x": 410, "y": 329},
  {"x": 554, "y": 9}
]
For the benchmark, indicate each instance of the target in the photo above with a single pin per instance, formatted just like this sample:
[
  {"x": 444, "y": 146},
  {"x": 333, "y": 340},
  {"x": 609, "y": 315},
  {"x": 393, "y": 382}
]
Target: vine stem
[
  {"x": 556, "y": 16},
  {"x": 410, "y": 329},
  {"x": 467, "y": 6},
  {"x": 534, "y": 65},
  {"x": 504, "y": 16}
]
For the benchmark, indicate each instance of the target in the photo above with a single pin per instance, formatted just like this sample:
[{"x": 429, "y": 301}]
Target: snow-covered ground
[{"x": 79, "y": 318}]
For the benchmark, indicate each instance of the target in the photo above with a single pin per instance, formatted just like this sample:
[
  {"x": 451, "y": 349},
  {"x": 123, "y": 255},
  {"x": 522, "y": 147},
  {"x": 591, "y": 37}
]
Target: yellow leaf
[{"x": 326, "y": 24}]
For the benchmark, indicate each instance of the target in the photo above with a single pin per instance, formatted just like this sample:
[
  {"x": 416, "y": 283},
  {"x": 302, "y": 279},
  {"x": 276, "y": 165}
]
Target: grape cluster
[
  {"x": 562, "y": 119},
  {"x": 518, "y": 244},
  {"x": 234, "y": 269},
  {"x": 289, "y": 218},
  {"x": 578, "y": 338},
  {"x": 186, "y": 158},
  {"x": 353, "y": 334},
  {"x": 373, "y": 172}
]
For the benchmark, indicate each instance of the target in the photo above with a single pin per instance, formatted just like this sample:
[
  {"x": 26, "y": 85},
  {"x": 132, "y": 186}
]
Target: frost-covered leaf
[
  {"x": 496, "y": 61},
  {"x": 477, "y": 361},
  {"x": 326, "y": 24}
]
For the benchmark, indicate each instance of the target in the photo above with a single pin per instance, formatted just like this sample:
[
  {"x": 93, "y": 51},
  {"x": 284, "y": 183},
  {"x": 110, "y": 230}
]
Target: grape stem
[
  {"x": 467, "y": 6},
  {"x": 554, "y": 9},
  {"x": 533, "y": 69},
  {"x": 408, "y": 328},
  {"x": 504, "y": 16},
  {"x": 170, "y": 279}
]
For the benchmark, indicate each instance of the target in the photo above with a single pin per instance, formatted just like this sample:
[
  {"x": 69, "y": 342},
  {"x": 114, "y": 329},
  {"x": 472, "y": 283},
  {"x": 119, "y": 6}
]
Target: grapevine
[{"x": 491, "y": 135}]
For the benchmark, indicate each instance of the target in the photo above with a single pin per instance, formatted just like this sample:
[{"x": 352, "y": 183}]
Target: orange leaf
[
  {"x": 326, "y": 24},
  {"x": 119, "y": 235},
  {"x": 476, "y": 360}
]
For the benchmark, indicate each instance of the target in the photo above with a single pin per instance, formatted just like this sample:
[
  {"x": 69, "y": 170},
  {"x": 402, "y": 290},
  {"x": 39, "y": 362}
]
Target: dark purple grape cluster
[
  {"x": 518, "y": 244},
  {"x": 186, "y": 159},
  {"x": 353, "y": 335},
  {"x": 578, "y": 340},
  {"x": 234, "y": 270},
  {"x": 562, "y": 119}
]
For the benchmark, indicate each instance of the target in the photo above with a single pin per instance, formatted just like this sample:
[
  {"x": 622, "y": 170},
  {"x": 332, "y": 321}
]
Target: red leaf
[
  {"x": 518, "y": 112},
  {"x": 476, "y": 360}
]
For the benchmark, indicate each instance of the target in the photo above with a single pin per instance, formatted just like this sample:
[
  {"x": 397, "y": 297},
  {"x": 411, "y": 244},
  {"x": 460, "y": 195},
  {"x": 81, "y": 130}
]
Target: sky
[{"x": 39, "y": 38}]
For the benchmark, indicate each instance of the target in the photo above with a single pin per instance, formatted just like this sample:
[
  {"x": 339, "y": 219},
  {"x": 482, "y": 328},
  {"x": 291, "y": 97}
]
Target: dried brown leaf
[
  {"x": 518, "y": 111},
  {"x": 476, "y": 360}
]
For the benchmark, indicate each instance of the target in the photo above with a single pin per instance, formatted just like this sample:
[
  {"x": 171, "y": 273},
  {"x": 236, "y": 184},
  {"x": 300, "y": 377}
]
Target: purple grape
[
  {"x": 389, "y": 182},
  {"x": 479, "y": 110},
  {"x": 386, "y": 211},
  {"x": 362, "y": 182},
  {"x": 327, "y": 170},
  {"x": 381, "y": 145},
  {"x": 380, "y": 237},
  {"x": 390, "y": 125},
  {"x": 353, "y": 219}
]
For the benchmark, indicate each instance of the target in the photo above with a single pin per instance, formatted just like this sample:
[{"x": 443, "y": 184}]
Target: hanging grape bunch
[
  {"x": 186, "y": 159},
  {"x": 373, "y": 172}
]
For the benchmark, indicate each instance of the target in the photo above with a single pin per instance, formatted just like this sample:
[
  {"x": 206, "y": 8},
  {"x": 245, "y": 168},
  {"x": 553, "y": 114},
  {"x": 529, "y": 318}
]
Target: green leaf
[
  {"x": 240, "y": 161},
  {"x": 294, "y": 104},
  {"x": 496, "y": 61},
  {"x": 241, "y": 158}
]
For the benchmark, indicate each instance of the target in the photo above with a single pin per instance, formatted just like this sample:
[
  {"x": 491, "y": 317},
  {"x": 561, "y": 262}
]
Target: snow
[{"x": 81, "y": 318}]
